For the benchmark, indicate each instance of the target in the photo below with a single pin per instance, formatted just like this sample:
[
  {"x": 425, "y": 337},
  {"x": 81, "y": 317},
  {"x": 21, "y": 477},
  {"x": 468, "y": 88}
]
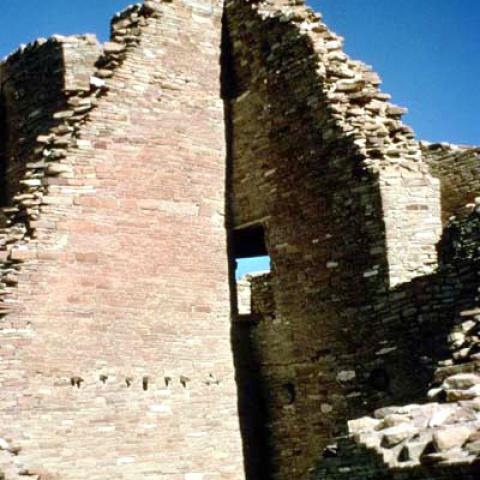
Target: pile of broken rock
[{"x": 430, "y": 433}]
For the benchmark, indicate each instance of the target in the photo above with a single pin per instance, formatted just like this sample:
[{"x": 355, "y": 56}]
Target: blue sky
[
  {"x": 428, "y": 54},
  {"x": 426, "y": 51},
  {"x": 22, "y": 21}
]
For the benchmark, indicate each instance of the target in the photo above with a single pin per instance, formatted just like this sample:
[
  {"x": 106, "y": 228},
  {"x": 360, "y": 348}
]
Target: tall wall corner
[
  {"x": 115, "y": 279},
  {"x": 37, "y": 83},
  {"x": 412, "y": 215},
  {"x": 457, "y": 167}
]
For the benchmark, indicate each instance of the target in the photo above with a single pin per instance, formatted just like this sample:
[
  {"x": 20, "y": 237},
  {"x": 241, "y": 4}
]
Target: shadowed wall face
[
  {"x": 452, "y": 404},
  {"x": 32, "y": 91},
  {"x": 3, "y": 150},
  {"x": 283, "y": 172}
]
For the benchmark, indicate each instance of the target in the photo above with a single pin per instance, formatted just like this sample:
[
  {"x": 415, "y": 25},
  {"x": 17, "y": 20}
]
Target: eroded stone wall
[
  {"x": 351, "y": 215},
  {"x": 116, "y": 356},
  {"x": 438, "y": 437},
  {"x": 36, "y": 82},
  {"x": 421, "y": 326},
  {"x": 431, "y": 325},
  {"x": 458, "y": 169}
]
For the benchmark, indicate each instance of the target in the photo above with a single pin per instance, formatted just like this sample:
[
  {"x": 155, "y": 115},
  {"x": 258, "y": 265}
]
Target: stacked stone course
[
  {"x": 458, "y": 168},
  {"x": 128, "y": 171},
  {"x": 116, "y": 361},
  {"x": 362, "y": 307},
  {"x": 350, "y": 211}
]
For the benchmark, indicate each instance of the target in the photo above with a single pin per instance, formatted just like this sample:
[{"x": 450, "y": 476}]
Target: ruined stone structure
[{"x": 136, "y": 173}]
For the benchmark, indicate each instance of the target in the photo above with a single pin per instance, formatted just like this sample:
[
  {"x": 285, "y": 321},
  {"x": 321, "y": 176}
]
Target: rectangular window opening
[
  {"x": 253, "y": 265},
  {"x": 250, "y": 251},
  {"x": 251, "y": 259}
]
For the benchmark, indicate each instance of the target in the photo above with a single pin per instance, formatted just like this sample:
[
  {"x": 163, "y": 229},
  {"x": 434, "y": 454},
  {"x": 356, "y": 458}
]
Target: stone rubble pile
[{"x": 430, "y": 433}]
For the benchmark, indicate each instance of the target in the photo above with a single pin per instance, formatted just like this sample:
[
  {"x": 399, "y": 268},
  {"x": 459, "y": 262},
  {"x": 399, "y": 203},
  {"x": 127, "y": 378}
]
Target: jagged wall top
[{"x": 351, "y": 90}]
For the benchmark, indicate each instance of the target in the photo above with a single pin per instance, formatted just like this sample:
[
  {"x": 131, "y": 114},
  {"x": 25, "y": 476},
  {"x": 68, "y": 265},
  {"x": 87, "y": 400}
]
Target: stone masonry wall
[
  {"x": 458, "y": 169},
  {"x": 115, "y": 289},
  {"x": 350, "y": 211},
  {"x": 436, "y": 320},
  {"x": 3, "y": 147},
  {"x": 116, "y": 356},
  {"x": 36, "y": 82},
  {"x": 421, "y": 326},
  {"x": 436, "y": 438}
]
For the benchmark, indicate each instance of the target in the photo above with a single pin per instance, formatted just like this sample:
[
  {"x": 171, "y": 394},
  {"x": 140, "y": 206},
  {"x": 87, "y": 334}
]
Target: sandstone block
[
  {"x": 395, "y": 435},
  {"x": 364, "y": 424},
  {"x": 454, "y": 437},
  {"x": 462, "y": 381},
  {"x": 113, "y": 47}
]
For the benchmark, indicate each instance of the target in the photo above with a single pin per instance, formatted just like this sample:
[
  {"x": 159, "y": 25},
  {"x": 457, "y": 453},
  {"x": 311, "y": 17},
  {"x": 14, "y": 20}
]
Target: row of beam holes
[{"x": 77, "y": 381}]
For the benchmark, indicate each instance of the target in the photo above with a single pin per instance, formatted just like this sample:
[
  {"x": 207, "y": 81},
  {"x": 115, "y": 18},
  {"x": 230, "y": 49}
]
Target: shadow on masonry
[{"x": 398, "y": 336}]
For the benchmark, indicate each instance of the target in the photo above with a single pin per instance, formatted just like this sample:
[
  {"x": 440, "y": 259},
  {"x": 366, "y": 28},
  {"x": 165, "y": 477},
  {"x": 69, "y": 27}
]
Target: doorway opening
[{"x": 249, "y": 257}]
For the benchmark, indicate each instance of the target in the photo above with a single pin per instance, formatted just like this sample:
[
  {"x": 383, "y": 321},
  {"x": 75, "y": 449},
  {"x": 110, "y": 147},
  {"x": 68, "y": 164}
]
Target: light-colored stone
[
  {"x": 452, "y": 437},
  {"x": 395, "y": 435},
  {"x": 363, "y": 424},
  {"x": 462, "y": 381}
]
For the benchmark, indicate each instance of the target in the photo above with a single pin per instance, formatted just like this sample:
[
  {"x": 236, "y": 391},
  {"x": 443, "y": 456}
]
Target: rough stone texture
[
  {"x": 37, "y": 82},
  {"x": 116, "y": 361},
  {"x": 290, "y": 79},
  {"x": 350, "y": 210},
  {"x": 127, "y": 176},
  {"x": 357, "y": 462},
  {"x": 430, "y": 310},
  {"x": 430, "y": 440},
  {"x": 458, "y": 168}
]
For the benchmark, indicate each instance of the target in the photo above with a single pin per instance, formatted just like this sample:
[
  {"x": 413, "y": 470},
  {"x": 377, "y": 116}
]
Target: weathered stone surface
[
  {"x": 114, "y": 283},
  {"x": 454, "y": 437},
  {"x": 117, "y": 362},
  {"x": 463, "y": 381},
  {"x": 363, "y": 425},
  {"x": 458, "y": 168},
  {"x": 394, "y": 435},
  {"x": 113, "y": 47}
]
